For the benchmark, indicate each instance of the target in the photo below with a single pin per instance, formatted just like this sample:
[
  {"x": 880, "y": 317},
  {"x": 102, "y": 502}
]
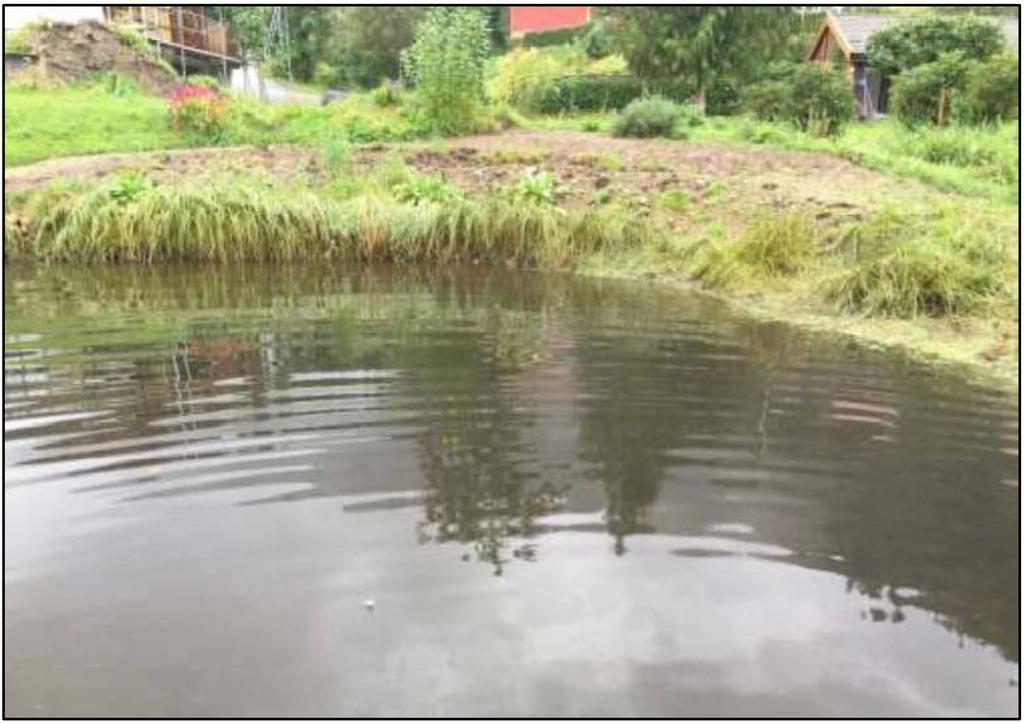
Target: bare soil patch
[
  {"x": 69, "y": 51},
  {"x": 732, "y": 178}
]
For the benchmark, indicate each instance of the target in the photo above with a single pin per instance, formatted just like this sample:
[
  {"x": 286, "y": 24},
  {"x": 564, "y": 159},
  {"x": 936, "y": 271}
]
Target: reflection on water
[{"x": 569, "y": 498}]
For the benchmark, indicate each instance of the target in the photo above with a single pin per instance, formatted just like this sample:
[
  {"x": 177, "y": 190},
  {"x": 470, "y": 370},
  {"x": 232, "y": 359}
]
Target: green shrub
[
  {"x": 990, "y": 92},
  {"x": 924, "y": 94},
  {"x": 419, "y": 188},
  {"x": 591, "y": 92},
  {"x": 535, "y": 187},
  {"x": 814, "y": 98},
  {"x": 768, "y": 100},
  {"x": 910, "y": 43},
  {"x": 722, "y": 97},
  {"x": 525, "y": 78},
  {"x": 649, "y": 117},
  {"x": 819, "y": 100},
  {"x": 445, "y": 63},
  {"x": 547, "y": 38},
  {"x": 386, "y": 95}
]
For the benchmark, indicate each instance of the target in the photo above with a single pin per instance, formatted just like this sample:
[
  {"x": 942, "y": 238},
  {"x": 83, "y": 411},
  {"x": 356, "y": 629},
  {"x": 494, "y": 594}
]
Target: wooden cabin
[{"x": 843, "y": 40}]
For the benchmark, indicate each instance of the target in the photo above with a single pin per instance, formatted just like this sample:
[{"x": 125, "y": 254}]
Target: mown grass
[{"x": 40, "y": 124}]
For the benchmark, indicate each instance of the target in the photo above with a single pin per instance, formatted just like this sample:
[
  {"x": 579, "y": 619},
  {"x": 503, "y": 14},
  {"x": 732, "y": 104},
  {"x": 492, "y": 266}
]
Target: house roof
[
  {"x": 852, "y": 31},
  {"x": 856, "y": 29}
]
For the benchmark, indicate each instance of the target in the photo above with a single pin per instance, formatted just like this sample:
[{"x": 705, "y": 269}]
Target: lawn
[{"x": 75, "y": 121}]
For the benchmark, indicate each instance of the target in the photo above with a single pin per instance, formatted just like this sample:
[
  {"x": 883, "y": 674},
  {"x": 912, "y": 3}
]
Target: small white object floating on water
[{"x": 369, "y": 603}]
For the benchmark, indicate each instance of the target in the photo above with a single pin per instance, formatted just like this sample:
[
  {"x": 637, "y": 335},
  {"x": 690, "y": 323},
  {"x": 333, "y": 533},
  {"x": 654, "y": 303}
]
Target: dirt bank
[{"x": 65, "y": 52}]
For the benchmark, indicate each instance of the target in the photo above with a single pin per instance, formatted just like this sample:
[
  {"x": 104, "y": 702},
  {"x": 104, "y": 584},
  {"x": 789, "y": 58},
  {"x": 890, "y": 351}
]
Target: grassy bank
[{"x": 940, "y": 279}]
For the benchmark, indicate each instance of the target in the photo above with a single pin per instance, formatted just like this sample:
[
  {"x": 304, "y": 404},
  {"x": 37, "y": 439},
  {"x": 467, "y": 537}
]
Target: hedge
[
  {"x": 554, "y": 37},
  {"x": 595, "y": 92}
]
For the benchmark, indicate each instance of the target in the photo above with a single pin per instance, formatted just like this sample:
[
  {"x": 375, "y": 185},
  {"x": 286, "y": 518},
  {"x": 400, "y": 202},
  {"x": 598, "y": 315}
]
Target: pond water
[{"x": 562, "y": 497}]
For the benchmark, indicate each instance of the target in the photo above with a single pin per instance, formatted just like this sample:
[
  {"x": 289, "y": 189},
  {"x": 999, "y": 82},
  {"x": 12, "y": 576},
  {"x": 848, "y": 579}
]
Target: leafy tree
[
  {"x": 699, "y": 42},
  {"x": 991, "y": 91},
  {"x": 923, "y": 94},
  {"x": 248, "y": 25},
  {"x": 310, "y": 28},
  {"x": 446, "y": 64},
  {"x": 368, "y": 41},
  {"x": 913, "y": 42}
]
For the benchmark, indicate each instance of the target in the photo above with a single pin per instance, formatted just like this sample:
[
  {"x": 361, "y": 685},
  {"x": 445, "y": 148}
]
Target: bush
[
  {"x": 820, "y": 100},
  {"x": 446, "y": 63},
  {"x": 767, "y": 100},
  {"x": 591, "y": 93},
  {"x": 535, "y": 187},
  {"x": 908, "y": 44},
  {"x": 198, "y": 110},
  {"x": 649, "y": 117},
  {"x": 386, "y": 95},
  {"x": 924, "y": 94},
  {"x": 563, "y": 36},
  {"x": 722, "y": 97},
  {"x": 525, "y": 78},
  {"x": 814, "y": 98},
  {"x": 991, "y": 91}
]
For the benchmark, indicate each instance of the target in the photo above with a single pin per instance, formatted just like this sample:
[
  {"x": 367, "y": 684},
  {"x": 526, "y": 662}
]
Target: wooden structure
[
  {"x": 524, "y": 19},
  {"x": 843, "y": 40},
  {"x": 187, "y": 35}
]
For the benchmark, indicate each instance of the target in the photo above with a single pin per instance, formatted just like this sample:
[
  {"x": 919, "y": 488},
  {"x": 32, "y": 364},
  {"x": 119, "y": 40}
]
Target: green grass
[
  {"x": 83, "y": 119},
  {"x": 396, "y": 216},
  {"x": 41, "y": 124}
]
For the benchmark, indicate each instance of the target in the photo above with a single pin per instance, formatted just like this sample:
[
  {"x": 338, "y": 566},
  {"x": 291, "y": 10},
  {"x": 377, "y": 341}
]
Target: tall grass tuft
[
  {"x": 223, "y": 222},
  {"x": 778, "y": 245},
  {"x": 899, "y": 266}
]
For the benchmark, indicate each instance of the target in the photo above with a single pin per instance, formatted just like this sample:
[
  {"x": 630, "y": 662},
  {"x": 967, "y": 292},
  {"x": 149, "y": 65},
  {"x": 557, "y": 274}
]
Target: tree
[
  {"x": 699, "y": 42},
  {"x": 248, "y": 24},
  {"x": 446, "y": 64},
  {"x": 910, "y": 43},
  {"x": 310, "y": 28},
  {"x": 368, "y": 41}
]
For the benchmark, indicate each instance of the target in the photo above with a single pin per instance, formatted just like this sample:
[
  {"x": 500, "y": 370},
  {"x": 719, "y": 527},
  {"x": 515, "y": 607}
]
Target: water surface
[{"x": 564, "y": 497}]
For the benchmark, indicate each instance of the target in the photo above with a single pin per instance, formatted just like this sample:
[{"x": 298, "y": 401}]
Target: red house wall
[{"x": 534, "y": 18}]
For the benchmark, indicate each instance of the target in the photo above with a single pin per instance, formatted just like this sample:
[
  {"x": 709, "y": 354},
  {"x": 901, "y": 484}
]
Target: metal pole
[
  {"x": 181, "y": 42},
  {"x": 224, "y": 50}
]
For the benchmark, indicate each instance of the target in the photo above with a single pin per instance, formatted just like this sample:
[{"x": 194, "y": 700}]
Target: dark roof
[{"x": 858, "y": 28}]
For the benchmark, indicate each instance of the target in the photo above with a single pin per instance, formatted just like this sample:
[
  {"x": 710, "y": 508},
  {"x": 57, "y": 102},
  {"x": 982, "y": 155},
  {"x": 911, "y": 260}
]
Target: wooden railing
[{"x": 178, "y": 27}]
